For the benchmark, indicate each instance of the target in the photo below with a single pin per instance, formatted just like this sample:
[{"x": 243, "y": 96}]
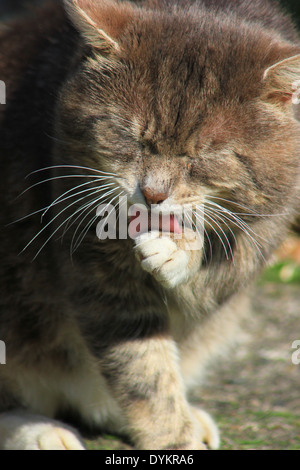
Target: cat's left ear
[
  {"x": 282, "y": 81},
  {"x": 100, "y": 23}
]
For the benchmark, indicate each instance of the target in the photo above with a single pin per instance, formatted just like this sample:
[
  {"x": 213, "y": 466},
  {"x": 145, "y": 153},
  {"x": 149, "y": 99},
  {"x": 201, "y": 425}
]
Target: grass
[{"x": 287, "y": 272}]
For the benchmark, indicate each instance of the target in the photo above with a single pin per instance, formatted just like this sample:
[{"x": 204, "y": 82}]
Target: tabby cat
[{"x": 164, "y": 103}]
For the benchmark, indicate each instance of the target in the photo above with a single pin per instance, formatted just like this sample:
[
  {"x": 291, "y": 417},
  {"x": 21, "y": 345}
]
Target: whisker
[
  {"x": 221, "y": 218},
  {"x": 190, "y": 219},
  {"x": 222, "y": 221},
  {"x": 218, "y": 235},
  {"x": 81, "y": 210},
  {"x": 78, "y": 167},
  {"x": 59, "y": 200},
  {"x": 79, "y": 241},
  {"x": 216, "y": 213},
  {"x": 98, "y": 200},
  {"x": 26, "y": 216},
  {"x": 85, "y": 207},
  {"x": 100, "y": 178},
  {"x": 238, "y": 222},
  {"x": 201, "y": 221},
  {"x": 110, "y": 203},
  {"x": 45, "y": 209},
  {"x": 58, "y": 228},
  {"x": 226, "y": 238},
  {"x": 52, "y": 220},
  {"x": 241, "y": 223},
  {"x": 252, "y": 212}
]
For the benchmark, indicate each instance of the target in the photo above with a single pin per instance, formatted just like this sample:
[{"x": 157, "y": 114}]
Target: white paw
[
  {"x": 207, "y": 429},
  {"x": 31, "y": 432},
  {"x": 161, "y": 257}
]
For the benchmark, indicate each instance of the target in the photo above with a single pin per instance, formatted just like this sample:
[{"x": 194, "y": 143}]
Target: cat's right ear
[
  {"x": 282, "y": 81},
  {"x": 100, "y": 22}
]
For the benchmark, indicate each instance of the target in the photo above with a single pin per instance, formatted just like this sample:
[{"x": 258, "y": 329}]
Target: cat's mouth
[{"x": 143, "y": 221}]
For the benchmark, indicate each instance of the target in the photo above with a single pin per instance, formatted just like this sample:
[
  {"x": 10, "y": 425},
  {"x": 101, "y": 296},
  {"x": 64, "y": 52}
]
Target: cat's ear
[
  {"x": 100, "y": 22},
  {"x": 282, "y": 81}
]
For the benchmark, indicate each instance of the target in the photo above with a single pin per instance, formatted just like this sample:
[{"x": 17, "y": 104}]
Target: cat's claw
[{"x": 161, "y": 257}]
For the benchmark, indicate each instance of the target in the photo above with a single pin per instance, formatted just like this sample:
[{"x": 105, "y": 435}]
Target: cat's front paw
[
  {"x": 205, "y": 435},
  {"x": 207, "y": 429},
  {"x": 165, "y": 259}
]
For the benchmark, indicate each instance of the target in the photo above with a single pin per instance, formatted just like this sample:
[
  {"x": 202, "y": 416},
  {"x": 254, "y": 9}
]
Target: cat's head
[{"x": 185, "y": 106}]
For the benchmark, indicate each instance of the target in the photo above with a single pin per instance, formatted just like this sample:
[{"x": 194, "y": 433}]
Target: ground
[{"x": 254, "y": 395}]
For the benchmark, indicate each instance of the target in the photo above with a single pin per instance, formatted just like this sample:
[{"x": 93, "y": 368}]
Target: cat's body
[{"x": 181, "y": 101}]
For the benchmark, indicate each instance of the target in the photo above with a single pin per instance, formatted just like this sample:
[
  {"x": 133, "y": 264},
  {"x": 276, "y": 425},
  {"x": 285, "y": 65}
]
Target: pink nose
[{"x": 153, "y": 197}]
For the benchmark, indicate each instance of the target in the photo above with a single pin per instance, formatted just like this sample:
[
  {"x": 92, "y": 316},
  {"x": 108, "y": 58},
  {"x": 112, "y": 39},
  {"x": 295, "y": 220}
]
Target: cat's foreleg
[{"x": 145, "y": 379}]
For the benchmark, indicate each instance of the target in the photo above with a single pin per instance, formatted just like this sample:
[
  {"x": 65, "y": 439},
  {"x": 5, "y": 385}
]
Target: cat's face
[{"x": 186, "y": 111}]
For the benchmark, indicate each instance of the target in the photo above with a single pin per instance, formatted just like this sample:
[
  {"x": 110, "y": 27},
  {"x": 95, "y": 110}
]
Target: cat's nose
[{"x": 154, "y": 197}]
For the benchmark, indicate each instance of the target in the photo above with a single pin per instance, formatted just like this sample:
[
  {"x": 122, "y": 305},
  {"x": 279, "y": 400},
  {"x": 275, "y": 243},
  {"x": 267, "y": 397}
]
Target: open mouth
[{"x": 143, "y": 221}]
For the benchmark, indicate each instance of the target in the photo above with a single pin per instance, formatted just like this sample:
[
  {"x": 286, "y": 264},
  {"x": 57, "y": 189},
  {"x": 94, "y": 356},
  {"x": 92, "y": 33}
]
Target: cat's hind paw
[
  {"x": 31, "y": 432},
  {"x": 56, "y": 438}
]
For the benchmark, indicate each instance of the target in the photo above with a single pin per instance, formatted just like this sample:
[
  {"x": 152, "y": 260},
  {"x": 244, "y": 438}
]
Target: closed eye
[{"x": 249, "y": 167}]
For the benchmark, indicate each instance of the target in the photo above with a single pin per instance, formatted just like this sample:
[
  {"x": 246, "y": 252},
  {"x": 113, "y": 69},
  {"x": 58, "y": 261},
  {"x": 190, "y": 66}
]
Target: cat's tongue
[
  {"x": 169, "y": 223},
  {"x": 142, "y": 222}
]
